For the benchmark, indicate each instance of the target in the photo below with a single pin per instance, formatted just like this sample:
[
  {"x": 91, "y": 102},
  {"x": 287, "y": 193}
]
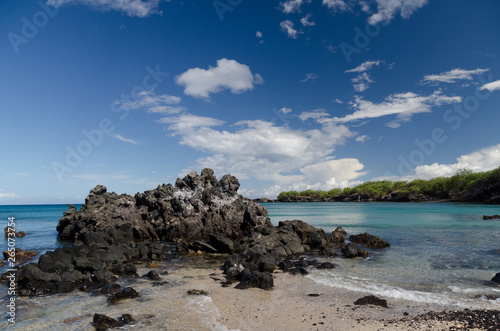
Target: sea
[{"x": 443, "y": 253}]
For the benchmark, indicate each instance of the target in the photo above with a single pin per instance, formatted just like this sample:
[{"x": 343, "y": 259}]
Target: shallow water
[{"x": 440, "y": 252}]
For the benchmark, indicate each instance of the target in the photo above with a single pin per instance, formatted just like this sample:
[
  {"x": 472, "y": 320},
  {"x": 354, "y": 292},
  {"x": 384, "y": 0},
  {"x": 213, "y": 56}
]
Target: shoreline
[{"x": 166, "y": 305}]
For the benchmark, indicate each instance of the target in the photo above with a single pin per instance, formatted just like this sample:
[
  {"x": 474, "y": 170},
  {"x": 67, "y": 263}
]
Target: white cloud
[
  {"x": 403, "y": 105},
  {"x": 4, "y": 194},
  {"x": 365, "y": 66},
  {"x": 228, "y": 74},
  {"x": 153, "y": 103},
  {"x": 387, "y": 9},
  {"x": 285, "y": 110},
  {"x": 337, "y": 100},
  {"x": 288, "y": 27},
  {"x": 309, "y": 78},
  {"x": 258, "y": 34},
  {"x": 259, "y": 149},
  {"x": 484, "y": 159},
  {"x": 313, "y": 114},
  {"x": 291, "y": 6},
  {"x": 186, "y": 123},
  {"x": 139, "y": 8},
  {"x": 127, "y": 140},
  {"x": 362, "y": 139},
  {"x": 493, "y": 86},
  {"x": 362, "y": 82},
  {"x": 333, "y": 173},
  {"x": 339, "y": 5},
  {"x": 306, "y": 20},
  {"x": 454, "y": 75}
]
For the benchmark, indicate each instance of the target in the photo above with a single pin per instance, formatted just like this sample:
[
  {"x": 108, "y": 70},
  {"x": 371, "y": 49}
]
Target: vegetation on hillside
[{"x": 465, "y": 185}]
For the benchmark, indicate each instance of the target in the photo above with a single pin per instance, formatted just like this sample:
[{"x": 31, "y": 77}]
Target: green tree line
[{"x": 465, "y": 185}]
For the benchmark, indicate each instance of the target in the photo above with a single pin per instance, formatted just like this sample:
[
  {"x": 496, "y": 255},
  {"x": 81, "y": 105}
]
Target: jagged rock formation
[{"x": 198, "y": 205}]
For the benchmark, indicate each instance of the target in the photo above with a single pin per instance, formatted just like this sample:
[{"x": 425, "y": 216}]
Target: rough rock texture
[
  {"x": 353, "y": 250},
  {"x": 371, "y": 300},
  {"x": 90, "y": 265},
  {"x": 198, "y": 205},
  {"x": 20, "y": 255},
  {"x": 369, "y": 241}
]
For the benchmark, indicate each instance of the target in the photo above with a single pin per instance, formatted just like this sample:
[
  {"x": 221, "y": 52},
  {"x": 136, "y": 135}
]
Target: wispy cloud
[
  {"x": 4, "y": 194},
  {"x": 309, "y": 78},
  {"x": 454, "y": 75},
  {"x": 493, "y": 86},
  {"x": 365, "y": 66},
  {"x": 127, "y": 140},
  {"x": 228, "y": 74},
  {"x": 153, "y": 103},
  {"x": 138, "y": 8},
  {"x": 313, "y": 114},
  {"x": 403, "y": 105},
  {"x": 306, "y": 20}
]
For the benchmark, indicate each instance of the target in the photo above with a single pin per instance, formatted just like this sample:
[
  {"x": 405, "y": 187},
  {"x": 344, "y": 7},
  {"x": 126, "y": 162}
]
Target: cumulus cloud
[
  {"x": 362, "y": 139},
  {"x": 403, "y": 105},
  {"x": 228, "y": 74},
  {"x": 288, "y": 27},
  {"x": 138, "y": 8},
  {"x": 493, "y": 86},
  {"x": 362, "y": 82},
  {"x": 285, "y": 110},
  {"x": 454, "y": 75},
  {"x": 339, "y": 5},
  {"x": 291, "y": 6},
  {"x": 484, "y": 159},
  {"x": 387, "y": 9},
  {"x": 333, "y": 173},
  {"x": 365, "y": 66},
  {"x": 306, "y": 20}
]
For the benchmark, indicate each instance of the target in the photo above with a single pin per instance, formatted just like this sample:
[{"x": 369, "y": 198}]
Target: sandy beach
[
  {"x": 298, "y": 303},
  {"x": 295, "y": 303}
]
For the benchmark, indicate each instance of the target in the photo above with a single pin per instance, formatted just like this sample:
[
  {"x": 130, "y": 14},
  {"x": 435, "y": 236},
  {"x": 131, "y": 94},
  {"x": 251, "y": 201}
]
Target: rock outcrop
[
  {"x": 369, "y": 241},
  {"x": 198, "y": 205}
]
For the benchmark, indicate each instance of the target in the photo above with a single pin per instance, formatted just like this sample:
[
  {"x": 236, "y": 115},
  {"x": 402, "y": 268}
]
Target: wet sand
[{"x": 295, "y": 303}]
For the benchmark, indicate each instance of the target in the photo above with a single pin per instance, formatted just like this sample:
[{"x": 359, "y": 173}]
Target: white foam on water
[
  {"x": 376, "y": 287},
  {"x": 208, "y": 312}
]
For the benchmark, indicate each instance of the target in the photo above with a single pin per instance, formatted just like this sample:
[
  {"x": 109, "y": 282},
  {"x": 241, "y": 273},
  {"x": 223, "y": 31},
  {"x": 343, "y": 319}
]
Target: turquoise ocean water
[{"x": 440, "y": 252}]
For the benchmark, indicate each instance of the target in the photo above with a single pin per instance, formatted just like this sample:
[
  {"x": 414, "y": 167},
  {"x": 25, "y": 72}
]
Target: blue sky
[{"x": 282, "y": 94}]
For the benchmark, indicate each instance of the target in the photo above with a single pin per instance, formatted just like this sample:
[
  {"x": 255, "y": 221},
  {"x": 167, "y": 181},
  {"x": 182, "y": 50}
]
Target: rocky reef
[
  {"x": 198, "y": 205},
  {"x": 112, "y": 233}
]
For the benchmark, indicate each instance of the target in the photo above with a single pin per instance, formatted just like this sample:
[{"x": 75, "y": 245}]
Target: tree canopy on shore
[{"x": 465, "y": 185}]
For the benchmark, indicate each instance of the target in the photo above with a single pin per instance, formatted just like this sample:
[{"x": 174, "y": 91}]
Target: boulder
[
  {"x": 492, "y": 217},
  {"x": 371, "y": 300},
  {"x": 125, "y": 293},
  {"x": 369, "y": 241},
  {"x": 496, "y": 278},
  {"x": 152, "y": 275},
  {"x": 250, "y": 278},
  {"x": 353, "y": 250}
]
